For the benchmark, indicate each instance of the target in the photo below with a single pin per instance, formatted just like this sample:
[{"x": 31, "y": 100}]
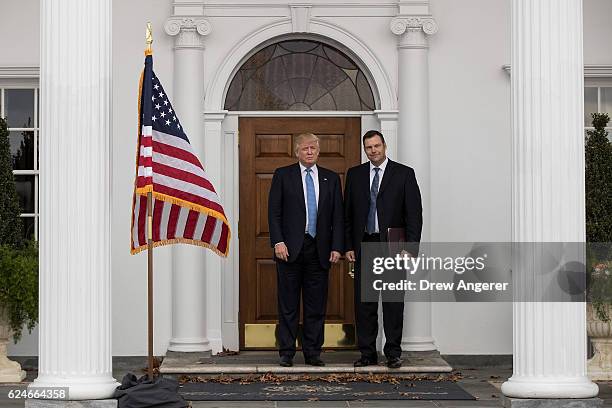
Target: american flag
[{"x": 186, "y": 208}]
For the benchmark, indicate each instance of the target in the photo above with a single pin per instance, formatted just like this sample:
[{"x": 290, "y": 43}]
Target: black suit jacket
[
  {"x": 287, "y": 212},
  {"x": 398, "y": 204}
]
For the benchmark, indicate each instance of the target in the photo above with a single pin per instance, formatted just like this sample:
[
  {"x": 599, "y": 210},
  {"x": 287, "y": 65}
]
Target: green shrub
[
  {"x": 598, "y": 191},
  {"x": 19, "y": 286},
  {"x": 18, "y": 257}
]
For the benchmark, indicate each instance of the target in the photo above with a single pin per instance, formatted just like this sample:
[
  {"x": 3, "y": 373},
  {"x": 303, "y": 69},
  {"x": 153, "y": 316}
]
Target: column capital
[
  {"x": 401, "y": 24},
  {"x": 188, "y": 29}
]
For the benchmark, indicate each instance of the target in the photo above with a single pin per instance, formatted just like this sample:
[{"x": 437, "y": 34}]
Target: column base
[
  {"x": 41, "y": 403},
  {"x": 190, "y": 345},
  {"x": 79, "y": 388},
  {"x": 551, "y": 403},
  {"x": 551, "y": 388},
  {"x": 418, "y": 344}
]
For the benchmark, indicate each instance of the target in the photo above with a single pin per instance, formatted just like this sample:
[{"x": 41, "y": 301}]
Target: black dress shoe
[
  {"x": 314, "y": 361},
  {"x": 394, "y": 362},
  {"x": 364, "y": 361},
  {"x": 286, "y": 361}
]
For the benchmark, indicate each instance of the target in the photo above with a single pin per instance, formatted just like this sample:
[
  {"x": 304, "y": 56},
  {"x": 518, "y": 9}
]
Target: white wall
[
  {"x": 471, "y": 156},
  {"x": 19, "y": 33},
  {"x": 470, "y": 140},
  {"x": 129, "y": 274},
  {"x": 597, "y": 32}
]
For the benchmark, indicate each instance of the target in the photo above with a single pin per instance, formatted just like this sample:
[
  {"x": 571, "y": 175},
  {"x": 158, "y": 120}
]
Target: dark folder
[
  {"x": 396, "y": 235},
  {"x": 395, "y": 240}
]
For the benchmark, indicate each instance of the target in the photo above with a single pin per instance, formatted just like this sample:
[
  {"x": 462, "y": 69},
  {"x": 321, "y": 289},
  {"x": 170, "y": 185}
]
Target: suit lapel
[
  {"x": 296, "y": 180},
  {"x": 323, "y": 187},
  {"x": 387, "y": 176},
  {"x": 365, "y": 180}
]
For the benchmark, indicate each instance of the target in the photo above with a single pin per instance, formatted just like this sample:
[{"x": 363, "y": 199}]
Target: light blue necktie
[
  {"x": 373, "y": 194},
  {"x": 311, "y": 202}
]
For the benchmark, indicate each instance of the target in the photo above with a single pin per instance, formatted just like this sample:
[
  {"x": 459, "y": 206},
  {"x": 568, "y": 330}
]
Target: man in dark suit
[
  {"x": 379, "y": 194},
  {"x": 305, "y": 217}
]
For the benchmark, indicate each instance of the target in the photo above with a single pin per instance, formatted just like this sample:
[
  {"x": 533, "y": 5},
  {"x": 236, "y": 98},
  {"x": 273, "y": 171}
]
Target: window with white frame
[
  {"x": 597, "y": 98},
  {"x": 20, "y": 108}
]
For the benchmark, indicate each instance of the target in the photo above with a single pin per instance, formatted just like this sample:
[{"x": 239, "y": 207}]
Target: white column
[
  {"x": 548, "y": 192},
  {"x": 413, "y": 148},
  {"x": 75, "y": 186},
  {"x": 189, "y": 262}
]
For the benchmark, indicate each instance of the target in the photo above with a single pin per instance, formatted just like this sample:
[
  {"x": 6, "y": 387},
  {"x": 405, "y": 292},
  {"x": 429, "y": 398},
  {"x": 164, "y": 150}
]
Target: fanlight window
[{"x": 299, "y": 75}]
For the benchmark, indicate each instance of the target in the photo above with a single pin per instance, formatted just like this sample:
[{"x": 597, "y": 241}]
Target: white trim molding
[
  {"x": 590, "y": 71},
  {"x": 19, "y": 72},
  {"x": 300, "y": 17}
]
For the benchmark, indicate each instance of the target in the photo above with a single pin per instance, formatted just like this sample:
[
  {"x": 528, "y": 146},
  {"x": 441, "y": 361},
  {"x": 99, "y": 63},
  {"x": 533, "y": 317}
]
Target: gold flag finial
[{"x": 149, "y": 38}]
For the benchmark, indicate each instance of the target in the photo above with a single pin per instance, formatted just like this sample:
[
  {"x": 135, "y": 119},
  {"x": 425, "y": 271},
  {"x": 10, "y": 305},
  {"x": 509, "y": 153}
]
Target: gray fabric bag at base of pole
[{"x": 144, "y": 393}]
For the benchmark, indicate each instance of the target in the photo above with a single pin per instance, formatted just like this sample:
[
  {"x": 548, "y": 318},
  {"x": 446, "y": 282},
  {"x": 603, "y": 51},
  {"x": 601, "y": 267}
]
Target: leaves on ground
[
  {"x": 227, "y": 352},
  {"x": 336, "y": 378}
]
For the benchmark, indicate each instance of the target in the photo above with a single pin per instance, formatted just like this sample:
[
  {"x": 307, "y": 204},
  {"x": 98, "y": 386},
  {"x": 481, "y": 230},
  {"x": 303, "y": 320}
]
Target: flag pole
[
  {"x": 150, "y": 282},
  {"x": 149, "y": 40}
]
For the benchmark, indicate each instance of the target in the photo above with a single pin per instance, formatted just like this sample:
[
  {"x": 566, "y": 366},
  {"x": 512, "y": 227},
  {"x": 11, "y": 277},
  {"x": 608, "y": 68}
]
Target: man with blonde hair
[{"x": 305, "y": 216}]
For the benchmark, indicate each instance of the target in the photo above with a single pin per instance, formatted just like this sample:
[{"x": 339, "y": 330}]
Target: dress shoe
[
  {"x": 364, "y": 361},
  {"x": 286, "y": 361},
  {"x": 394, "y": 362},
  {"x": 314, "y": 361}
]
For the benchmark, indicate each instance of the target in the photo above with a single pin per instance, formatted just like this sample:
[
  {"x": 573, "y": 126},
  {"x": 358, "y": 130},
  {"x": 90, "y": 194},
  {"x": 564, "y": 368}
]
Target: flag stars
[
  {"x": 153, "y": 98},
  {"x": 157, "y": 106},
  {"x": 161, "y": 94},
  {"x": 178, "y": 125},
  {"x": 174, "y": 118},
  {"x": 163, "y": 114},
  {"x": 166, "y": 102},
  {"x": 154, "y": 118},
  {"x": 156, "y": 87},
  {"x": 170, "y": 110},
  {"x": 167, "y": 122}
]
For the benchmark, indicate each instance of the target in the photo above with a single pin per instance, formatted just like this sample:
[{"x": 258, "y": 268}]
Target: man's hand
[
  {"x": 334, "y": 257},
  {"x": 350, "y": 256},
  {"x": 281, "y": 252}
]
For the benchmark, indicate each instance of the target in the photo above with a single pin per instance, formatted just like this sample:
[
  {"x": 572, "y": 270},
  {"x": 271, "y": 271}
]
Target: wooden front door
[{"x": 266, "y": 144}]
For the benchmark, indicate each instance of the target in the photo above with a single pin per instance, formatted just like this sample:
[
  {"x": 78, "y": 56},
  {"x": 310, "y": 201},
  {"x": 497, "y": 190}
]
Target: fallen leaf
[{"x": 227, "y": 352}]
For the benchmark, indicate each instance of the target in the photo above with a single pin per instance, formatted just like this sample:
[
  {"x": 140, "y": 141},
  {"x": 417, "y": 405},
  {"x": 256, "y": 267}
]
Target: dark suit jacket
[
  {"x": 398, "y": 204},
  {"x": 287, "y": 212}
]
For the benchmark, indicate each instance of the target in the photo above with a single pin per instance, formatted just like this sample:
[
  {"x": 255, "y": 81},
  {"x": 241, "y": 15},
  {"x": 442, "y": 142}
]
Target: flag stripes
[
  {"x": 185, "y": 205},
  {"x": 172, "y": 222}
]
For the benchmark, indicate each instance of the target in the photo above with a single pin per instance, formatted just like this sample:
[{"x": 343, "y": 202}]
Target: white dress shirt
[
  {"x": 381, "y": 172},
  {"x": 315, "y": 178}
]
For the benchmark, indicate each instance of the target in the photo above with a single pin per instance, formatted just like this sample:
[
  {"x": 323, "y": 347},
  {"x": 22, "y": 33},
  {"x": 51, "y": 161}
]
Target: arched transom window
[{"x": 299, "y": 75}]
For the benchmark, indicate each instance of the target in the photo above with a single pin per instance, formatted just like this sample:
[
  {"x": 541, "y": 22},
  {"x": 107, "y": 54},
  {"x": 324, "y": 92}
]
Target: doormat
[{"x": 350, "y": 388}]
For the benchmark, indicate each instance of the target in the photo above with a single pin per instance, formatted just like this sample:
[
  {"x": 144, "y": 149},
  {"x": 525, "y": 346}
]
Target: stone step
[{"x": 254, "y": 362}]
